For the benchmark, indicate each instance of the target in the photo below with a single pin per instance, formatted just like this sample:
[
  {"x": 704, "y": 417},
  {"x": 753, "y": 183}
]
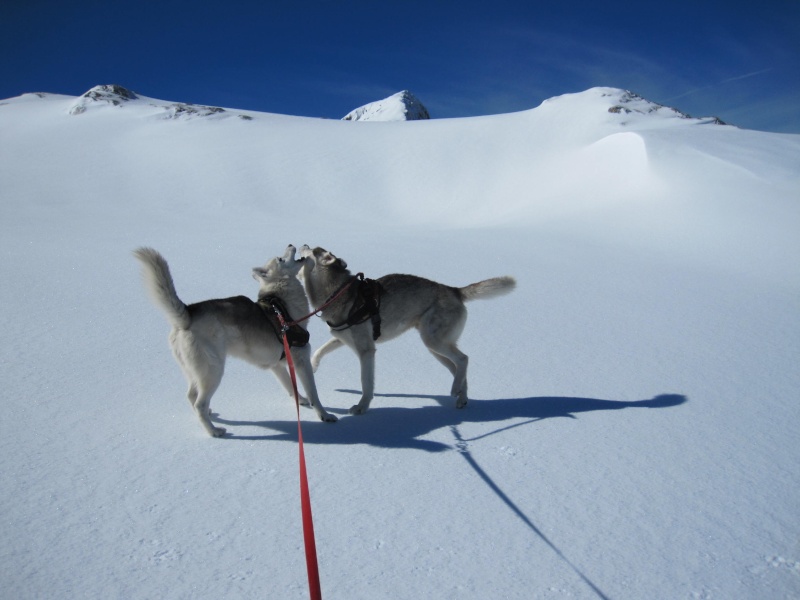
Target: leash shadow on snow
[
  {"x": 463, "y": 448},
  {"x": 401, "y": 427}
]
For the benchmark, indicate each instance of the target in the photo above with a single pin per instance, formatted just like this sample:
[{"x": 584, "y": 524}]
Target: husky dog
[
  {"x": 436, "y": 310},
  {"x": 203, "y": 334}
]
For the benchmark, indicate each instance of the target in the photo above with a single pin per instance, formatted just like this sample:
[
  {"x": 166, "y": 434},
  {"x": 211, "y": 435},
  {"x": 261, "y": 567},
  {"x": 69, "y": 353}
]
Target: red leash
[
  {"x": 305, "y": 497},
  {"x": 330, "y": 300}
]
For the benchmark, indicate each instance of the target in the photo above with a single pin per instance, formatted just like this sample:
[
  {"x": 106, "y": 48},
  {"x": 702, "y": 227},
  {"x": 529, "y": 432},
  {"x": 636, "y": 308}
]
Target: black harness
[
  {"x": 366, "y": 305},
  {"x": 295, "y": 335}
]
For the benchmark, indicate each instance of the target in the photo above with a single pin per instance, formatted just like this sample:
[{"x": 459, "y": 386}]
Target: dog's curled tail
[
  {"x": 488, "y": 288},
  {"x": 158, "y": 281}
]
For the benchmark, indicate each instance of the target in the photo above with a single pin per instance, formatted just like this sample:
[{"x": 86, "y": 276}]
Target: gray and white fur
[
  {"x": 205, "y": 333},
  {"x": 436, "y": 310}
]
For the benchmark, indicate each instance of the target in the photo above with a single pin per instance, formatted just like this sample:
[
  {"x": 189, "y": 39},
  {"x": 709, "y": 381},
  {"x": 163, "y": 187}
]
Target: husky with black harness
[
  {"x": 205, "y": 333},
  {"x": 361, "y": 312}
]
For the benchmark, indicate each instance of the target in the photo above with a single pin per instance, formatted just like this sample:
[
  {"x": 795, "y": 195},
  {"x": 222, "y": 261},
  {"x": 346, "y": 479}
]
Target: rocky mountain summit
[{"x": 630, "y": 103}]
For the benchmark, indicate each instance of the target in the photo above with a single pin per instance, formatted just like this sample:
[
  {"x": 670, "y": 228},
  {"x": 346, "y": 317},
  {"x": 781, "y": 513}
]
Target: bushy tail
[
  {"x": 158, "y": 281},
  {"x": 488, "y": 288}
]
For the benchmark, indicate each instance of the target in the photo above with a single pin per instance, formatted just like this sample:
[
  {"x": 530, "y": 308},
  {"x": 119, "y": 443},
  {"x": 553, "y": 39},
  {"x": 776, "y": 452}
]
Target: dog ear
[
  {"x": 259, "y": 273},
  {"x": 327, "y": 259}
]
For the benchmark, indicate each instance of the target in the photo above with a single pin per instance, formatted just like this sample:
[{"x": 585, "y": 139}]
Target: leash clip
[{"x": 281, "y": 319}]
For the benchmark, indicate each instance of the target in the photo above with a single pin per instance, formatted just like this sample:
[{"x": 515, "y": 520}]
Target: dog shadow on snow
[
  {"x": 399, "y": 427},
  {"x": 396, "y": 426},
  {"x": 403, "y": 427}
]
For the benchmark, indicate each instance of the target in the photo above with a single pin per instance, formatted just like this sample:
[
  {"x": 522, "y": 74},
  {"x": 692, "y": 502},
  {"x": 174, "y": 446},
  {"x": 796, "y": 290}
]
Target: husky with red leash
[
  {"x": 205, "y": 333},
  {"x": 361, "y": 312}
]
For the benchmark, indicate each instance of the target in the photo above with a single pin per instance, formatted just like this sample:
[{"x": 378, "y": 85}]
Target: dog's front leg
[
  {"x": 302, "y": 363},
  {"x": 366, "y": 357},
  {"x": 282, "y": 375},
  {"x": 329, "y": 346}
]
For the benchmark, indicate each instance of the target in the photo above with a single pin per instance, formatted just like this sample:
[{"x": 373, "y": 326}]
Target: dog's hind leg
[
  {"x": 456, "y": 362},
  {"x": 206, "y": 387},
  {"x": 191, "y": 393},
  {"x": 450, "y": 365},
  {"x": 178, "y": 352},
  {"x": 326, "y": 348},
  {"x": 439, "y": 333}
]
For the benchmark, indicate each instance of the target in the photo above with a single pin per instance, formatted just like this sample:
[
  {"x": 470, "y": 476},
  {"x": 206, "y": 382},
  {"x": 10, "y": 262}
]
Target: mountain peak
[
  {"x": 116, "y": 95},
  {"x": 112, "y": 94},
  {"x": 623, "y": 108},
  {"x": 402, "y": 106},
  {"x": 629, "y": 102}
]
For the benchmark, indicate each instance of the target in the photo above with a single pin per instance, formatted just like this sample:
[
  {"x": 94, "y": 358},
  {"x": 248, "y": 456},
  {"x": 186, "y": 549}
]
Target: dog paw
[
  {"x": 218, "y": 431},
  {"x": 329, "y": 418},
  {"x": 303, "y": 401},
  {"x": 357, "y": 410},
  {"x": 461, "y": 402}
]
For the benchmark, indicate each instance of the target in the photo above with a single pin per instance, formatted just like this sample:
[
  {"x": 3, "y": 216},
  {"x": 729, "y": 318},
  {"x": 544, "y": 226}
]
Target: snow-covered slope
[
  {"x": 631, "y": 432},
  {"x": 402, "y": 106}
]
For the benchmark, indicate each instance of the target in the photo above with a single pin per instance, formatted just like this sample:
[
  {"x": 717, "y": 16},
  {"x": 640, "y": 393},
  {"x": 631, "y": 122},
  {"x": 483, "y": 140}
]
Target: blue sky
[{"x": 739, "y": 59}]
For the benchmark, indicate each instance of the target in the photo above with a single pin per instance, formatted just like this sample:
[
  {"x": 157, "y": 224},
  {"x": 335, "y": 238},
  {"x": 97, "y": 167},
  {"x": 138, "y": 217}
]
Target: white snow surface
[{"x": 632, "y": 428}]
